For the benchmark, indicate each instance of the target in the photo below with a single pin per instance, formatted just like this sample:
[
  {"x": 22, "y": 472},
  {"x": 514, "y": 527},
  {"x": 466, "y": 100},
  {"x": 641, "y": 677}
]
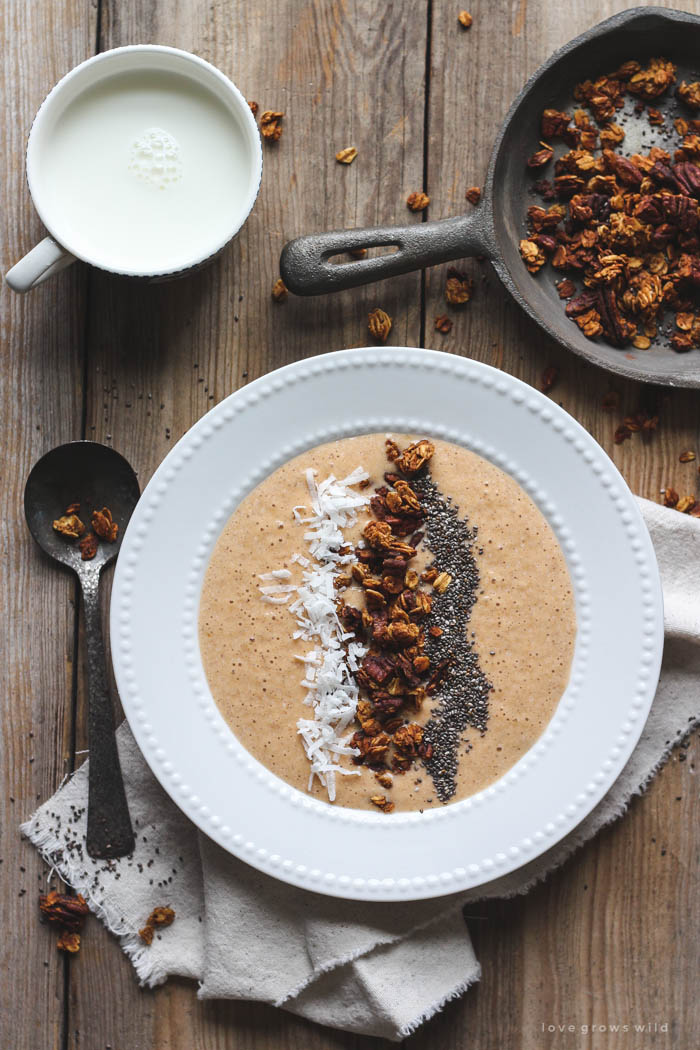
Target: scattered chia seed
[{"x": 463, "y": 698}]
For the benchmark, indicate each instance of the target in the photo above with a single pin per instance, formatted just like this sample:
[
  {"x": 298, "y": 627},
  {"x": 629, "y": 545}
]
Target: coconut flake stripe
[{"x": 329, "y": 680}]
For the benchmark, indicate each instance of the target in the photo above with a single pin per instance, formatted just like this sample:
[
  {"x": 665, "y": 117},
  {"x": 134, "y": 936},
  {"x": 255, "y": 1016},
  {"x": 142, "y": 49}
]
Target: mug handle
[{"x": 45, "y": 259}]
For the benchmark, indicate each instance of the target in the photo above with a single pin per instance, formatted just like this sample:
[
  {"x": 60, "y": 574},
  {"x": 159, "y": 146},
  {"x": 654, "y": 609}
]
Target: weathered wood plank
[
  {"x": 40, "y": 406},
  {"x": 344, "y": 74},
  {"x": 585, "y": 947}
]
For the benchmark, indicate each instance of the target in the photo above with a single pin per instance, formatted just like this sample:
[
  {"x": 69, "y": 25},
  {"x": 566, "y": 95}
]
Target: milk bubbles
[{"x": 155, "y": 158}]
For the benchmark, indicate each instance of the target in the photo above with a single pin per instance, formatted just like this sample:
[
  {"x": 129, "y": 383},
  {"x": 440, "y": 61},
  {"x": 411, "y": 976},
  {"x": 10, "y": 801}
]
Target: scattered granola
[
  {"x": 626, "y": 226},
  {"x": 159, "y": 917},
  {"x": 279, "y": 291},
  {"x": 443, "y": 324},
  {"x": 68, "y": 942},
  {"x": 382, "y": 802},
  {"x": 473, "y": 195},
  {"x": 687, "y": 457},
  {"x": 67, "y": 912},
  {"x": 271, "y": 125},
  {"x": 379, "y": 324},
  {"x": 458, "y": 288},
  {"x": 70, "y": 526},
  {"x": 417, "y": 201},
  {"x": 347, "y": 155},
  {"x": 253, "y": 108},
  {"x": 465, "y": 19}
]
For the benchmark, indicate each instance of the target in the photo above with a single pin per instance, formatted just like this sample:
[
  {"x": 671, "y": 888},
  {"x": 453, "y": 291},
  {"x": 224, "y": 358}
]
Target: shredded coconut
[{"x": 332, "y": 693}]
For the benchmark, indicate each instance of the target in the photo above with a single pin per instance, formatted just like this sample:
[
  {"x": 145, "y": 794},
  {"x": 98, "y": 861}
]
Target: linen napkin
[{"x": 371, "y": 968}]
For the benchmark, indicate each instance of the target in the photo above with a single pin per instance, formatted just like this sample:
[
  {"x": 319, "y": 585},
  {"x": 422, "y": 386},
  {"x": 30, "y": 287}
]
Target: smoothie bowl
[{"x": 362, "y": 629}]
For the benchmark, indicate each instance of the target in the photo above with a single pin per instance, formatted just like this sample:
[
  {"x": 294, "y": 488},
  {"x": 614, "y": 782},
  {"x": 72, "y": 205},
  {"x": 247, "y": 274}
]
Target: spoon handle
[{"x": 109, "y": 831}]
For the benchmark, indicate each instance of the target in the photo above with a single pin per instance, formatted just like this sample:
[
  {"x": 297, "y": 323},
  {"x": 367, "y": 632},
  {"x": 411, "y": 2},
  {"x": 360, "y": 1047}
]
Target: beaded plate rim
[{"x": 278, "y": 801}]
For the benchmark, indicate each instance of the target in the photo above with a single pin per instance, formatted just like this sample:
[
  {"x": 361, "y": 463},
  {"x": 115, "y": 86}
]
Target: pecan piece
[
  {"x": 443, "y": 324},
  {"x": 64, "y": 910},
  {"x": 473, "y": 195}
]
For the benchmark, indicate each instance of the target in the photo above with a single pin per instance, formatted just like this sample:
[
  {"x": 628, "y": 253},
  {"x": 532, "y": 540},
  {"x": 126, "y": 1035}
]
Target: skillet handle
[{"x": 306, "y": 269}]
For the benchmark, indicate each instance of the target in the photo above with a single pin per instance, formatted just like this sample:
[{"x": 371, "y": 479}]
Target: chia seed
[{"x": 463, "y": 698}]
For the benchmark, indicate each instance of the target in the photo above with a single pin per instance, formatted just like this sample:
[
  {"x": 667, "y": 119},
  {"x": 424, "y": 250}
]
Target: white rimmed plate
[{"x": 236, "y": 800}]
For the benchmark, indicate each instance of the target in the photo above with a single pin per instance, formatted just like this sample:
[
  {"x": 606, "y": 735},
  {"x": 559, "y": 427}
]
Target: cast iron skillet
[{"x": 495, "y": 227}]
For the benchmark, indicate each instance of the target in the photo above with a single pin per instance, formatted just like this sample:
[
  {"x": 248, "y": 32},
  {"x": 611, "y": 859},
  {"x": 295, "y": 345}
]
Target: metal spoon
[{"x": 95, "y": 476}]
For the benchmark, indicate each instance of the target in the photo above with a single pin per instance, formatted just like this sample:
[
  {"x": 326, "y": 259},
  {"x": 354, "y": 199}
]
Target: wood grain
[
  {"x": 161, "y": 355},
  {"x": 612, "y": 937},
  {"x": 585, "y": 947},
  {"x": 40, "y": 406}
]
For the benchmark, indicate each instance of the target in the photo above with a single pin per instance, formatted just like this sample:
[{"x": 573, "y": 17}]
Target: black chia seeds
[{"x": 463, "y": 697}]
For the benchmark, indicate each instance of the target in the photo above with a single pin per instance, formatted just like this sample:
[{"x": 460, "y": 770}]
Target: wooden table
[{"x": 615, "y": 935}]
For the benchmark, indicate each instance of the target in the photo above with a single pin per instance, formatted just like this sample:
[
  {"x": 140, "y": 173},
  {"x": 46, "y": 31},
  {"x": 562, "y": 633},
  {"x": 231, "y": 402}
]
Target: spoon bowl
[
  {"x": 93, "y": 476},
  {"x": 87, "y": 473}
]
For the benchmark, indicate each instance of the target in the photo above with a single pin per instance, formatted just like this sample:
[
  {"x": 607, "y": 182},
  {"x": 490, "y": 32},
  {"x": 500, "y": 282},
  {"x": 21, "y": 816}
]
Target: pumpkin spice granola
[{"x": 625, "y": 227}]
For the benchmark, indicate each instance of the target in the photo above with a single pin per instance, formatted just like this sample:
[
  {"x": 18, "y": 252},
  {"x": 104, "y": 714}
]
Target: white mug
[{"x": 129, "y": 198}]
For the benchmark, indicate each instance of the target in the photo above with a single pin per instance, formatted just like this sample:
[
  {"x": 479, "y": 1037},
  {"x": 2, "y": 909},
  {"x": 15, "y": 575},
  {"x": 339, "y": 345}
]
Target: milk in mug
[{"x": 144, "y": 170}]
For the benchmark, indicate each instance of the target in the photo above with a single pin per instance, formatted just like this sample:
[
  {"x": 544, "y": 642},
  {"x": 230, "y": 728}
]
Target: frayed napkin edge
[
  {"x": 360, "y": 953},
  {"x": 148, "y": 972},
  {"x": 457, "y": 992}
]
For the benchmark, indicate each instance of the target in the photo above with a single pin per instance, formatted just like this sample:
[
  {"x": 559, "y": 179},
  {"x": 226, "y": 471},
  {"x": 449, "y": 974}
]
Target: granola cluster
[
  {"x": 627, "y": 227},
  {"x": 395, "y": 675},
  {"x": 71, "y": 527}
]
